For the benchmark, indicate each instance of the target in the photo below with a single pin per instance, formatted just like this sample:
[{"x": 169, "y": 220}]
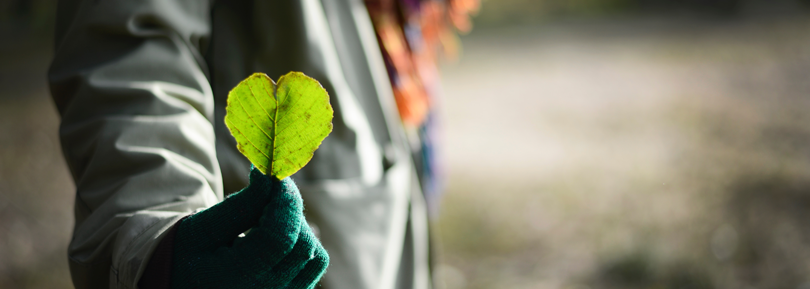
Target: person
[{"x": 141, "y": 89}]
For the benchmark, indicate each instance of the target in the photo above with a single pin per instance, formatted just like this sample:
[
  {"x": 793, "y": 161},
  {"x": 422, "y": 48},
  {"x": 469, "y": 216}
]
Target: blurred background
[{"x": 588, "y": 144}]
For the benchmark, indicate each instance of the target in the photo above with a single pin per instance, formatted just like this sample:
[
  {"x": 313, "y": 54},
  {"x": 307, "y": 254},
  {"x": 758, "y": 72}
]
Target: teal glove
[{"x": 280, "y": 250}]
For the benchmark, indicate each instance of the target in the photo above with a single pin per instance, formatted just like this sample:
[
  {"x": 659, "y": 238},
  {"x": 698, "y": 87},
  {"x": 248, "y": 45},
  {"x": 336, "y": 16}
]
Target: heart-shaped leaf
[{"x": 278, "y": 127}]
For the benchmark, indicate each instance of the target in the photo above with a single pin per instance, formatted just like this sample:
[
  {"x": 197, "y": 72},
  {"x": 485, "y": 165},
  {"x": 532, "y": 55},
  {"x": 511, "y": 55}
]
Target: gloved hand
[{"x": 279, "y": 251}]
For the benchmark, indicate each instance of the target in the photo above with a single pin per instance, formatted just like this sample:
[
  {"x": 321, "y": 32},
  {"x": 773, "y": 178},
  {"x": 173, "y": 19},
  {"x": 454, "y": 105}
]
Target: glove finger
[
  {"x": 278, "y": 228},
  {"x": 315, "y": 267},
  {"x": 296, "y": 261},
  {"x": 220, "y": 224},
  {"x": 264, "y": 264}
]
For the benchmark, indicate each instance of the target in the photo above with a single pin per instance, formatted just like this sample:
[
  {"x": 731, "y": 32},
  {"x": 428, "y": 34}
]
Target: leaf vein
[
  {"x": 298, "y": 117},
  {"x": 248, "y": 140},
  {"x": 253, "y": 120},
  {"x": 250, "y": 87}
]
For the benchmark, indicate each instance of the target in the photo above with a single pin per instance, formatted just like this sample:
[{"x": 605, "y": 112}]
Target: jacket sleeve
[{"x": 136, "y": 106}]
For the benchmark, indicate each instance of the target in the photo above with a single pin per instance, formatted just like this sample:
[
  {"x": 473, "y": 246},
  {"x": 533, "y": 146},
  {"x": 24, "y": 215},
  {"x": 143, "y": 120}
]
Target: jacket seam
[{"x": 129, "y": 248}]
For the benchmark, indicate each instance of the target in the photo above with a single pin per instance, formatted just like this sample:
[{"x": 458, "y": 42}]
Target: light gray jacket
[{"x": 141, "y": 87}]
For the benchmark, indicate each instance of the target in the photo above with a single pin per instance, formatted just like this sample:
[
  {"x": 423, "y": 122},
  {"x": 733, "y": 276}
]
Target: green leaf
[{"x": 279, "y": 126}]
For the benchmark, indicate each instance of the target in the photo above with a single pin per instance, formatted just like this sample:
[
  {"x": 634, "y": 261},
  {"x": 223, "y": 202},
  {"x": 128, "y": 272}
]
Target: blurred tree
[
  {"x": 30, "y": 17},
  {"x": 499, "y": 12}
]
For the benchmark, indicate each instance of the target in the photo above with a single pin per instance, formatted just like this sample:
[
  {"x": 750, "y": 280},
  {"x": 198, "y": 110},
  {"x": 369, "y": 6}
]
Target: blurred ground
[
  {"x": 641, "y": 153},
  {"x": 629, "y": 152}
]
